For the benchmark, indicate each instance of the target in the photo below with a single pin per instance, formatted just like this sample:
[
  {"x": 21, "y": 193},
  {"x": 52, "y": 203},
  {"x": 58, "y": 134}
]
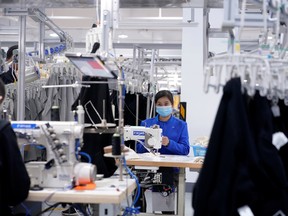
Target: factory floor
[{"x": 188, "y": 204}]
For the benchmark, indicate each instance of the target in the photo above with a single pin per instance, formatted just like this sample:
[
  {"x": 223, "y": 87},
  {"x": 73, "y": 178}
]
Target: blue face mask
[{"x": 164, "y": 111}]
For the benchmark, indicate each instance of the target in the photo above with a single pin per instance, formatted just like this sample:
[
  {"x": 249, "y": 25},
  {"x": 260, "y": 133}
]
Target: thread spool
[
  {"x": 116, "y": 144},
  {"x": 55, "y": 115},
  {"x": 80, "y": 114}
]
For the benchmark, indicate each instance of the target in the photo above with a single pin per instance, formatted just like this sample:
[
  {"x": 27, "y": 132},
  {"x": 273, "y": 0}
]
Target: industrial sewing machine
[
  {"x": 152, "y": 136},
  {"x": 59, "y": 166},
  {"x": 153, "y": 180}
]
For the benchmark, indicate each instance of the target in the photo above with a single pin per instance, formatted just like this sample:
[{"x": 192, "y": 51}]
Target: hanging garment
[
  {"x": 63, "y": 102},
  {"x": 130, "y": 105},
  {"x": 242, "y": 167},
  {"x": 14, "y": 181},
  {"x": 52, "y": 97},
  {"x": 9, "y": 76},
  {"x": 39, "y": 101},
  {"x": 281, "y": 125},
  {"x": 130, "y": 109},
  {"x": 94, "y": 143},
  {"x": 69, "y": 100}
]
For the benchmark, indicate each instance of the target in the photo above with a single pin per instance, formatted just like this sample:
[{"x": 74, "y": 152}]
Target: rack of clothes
[
  {"x": 145, "y": 75},
  {"x": 246, "y": 164},
  {"x": 268, "y": 76},
  {"x": 39, "y": 100},
  {"x": 61, "y": 74}
]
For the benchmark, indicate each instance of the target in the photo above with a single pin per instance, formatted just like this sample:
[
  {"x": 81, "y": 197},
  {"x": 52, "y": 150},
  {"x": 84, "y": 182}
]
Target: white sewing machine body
[
  {"x": 62, "y": 141},
  {"x": 151, "y": 135}
]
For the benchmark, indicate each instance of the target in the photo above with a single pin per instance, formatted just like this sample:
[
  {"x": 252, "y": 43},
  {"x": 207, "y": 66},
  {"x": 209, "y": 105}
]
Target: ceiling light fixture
[
  {"x": 69, "y": 17},
  {"x": 122, "y": 36},
  {"x": 53, "y": 35}
]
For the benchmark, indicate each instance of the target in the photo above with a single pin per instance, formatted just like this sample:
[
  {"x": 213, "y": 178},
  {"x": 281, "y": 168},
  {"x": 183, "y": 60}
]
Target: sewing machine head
[
  {"x": 152, "y": 136},
  {"x": 58, "y": 138},
  {"x": 59, "y": 144}
]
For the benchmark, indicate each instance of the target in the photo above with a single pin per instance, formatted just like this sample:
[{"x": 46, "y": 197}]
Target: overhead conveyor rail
[{"x": 38, "y": 16}]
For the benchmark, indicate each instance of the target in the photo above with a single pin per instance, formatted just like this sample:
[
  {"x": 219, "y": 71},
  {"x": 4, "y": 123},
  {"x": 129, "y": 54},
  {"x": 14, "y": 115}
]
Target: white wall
[{"x": 201, "y": 107}]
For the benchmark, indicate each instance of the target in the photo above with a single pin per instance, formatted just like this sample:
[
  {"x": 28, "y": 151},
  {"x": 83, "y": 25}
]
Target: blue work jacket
[{"x": 177, "y": 132}]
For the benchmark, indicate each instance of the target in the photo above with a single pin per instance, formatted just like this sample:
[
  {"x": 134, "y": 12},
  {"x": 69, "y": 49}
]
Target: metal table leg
[{"x": 181, "y": 193}]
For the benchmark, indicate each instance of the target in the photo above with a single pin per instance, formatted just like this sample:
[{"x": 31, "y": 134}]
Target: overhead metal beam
[
  {"x": 123, "y": 3},
  {"x": 31, "y": 44},
  {"x": 217, "y": 33},
  {"x": 167, "y": 3},
  {"x": 38, "y": 16},
  {"x": 155, "y": 24},
  {"x": 147, "y": 45},
  {"x": 48, "y": 3}
]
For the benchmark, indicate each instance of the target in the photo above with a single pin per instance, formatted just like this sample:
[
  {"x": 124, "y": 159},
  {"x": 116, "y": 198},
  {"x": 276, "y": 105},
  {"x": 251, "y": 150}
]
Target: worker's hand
[{"x": 165, "y": 141}]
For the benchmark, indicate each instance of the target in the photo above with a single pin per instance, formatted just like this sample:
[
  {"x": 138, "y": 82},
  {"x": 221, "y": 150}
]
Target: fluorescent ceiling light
[
  {"x": 53, "y": 35},
  {"x": 122, "y": 36},
  {"x": 270, "y": 37},
  {"x": 69, "y": 17}
]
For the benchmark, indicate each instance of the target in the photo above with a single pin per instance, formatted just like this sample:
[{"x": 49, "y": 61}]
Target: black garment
[
  {"x": 130, "y": 107},
  {"x": 14, "y": 181},
  {"x": 8, "y": 77},
  {"x": 241, "y": 166},
  {"x": 271, "y": 180},
  {"x": 281, "y": 125},
  {"x": 95, "y": 47},
  {"x": 94, "y": 143},
  {"x": 130, "y": 111}
]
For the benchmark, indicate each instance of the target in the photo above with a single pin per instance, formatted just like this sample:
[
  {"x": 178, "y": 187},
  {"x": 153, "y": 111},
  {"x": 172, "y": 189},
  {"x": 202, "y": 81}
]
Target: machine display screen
[{"x": 91, "y": 66}]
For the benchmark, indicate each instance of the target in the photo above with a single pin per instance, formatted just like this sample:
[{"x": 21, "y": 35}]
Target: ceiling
[
  {"x": 123, "y": 3},
  {"x": 162, "y": 26},
  {"x": 145, "y": 22}
]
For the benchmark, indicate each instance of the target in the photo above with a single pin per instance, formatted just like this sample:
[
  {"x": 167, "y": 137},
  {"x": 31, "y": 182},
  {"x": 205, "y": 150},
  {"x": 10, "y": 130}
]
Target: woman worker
[{"x": 175, "y": 139}]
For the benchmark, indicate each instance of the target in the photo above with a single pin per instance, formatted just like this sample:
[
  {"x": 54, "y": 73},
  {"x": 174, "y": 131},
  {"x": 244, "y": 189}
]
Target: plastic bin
[{"x": 199, "y": 151}]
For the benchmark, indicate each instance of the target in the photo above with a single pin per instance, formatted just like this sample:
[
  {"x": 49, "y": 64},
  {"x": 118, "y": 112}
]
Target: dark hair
[
  {"x": 10, "y": 51},
  {"x": 164, "y": 93},
  {"x": 2, "y": 91}
]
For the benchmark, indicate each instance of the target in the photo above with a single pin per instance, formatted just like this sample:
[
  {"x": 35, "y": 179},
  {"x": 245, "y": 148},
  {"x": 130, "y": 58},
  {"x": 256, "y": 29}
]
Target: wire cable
[
  {"x": 27, "y": 210},
  {"x": 87, "y": 156},
  {"x": 131, "y": 210},
  {"x": 48, "y": 209},
  {"x": 78, "y": 207},
  {"x": 52, "y": 211},
  {"x": 127, "y": 198},
  {"x": 88, "y": 209},
  {"x": 77, "y": 152}
]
